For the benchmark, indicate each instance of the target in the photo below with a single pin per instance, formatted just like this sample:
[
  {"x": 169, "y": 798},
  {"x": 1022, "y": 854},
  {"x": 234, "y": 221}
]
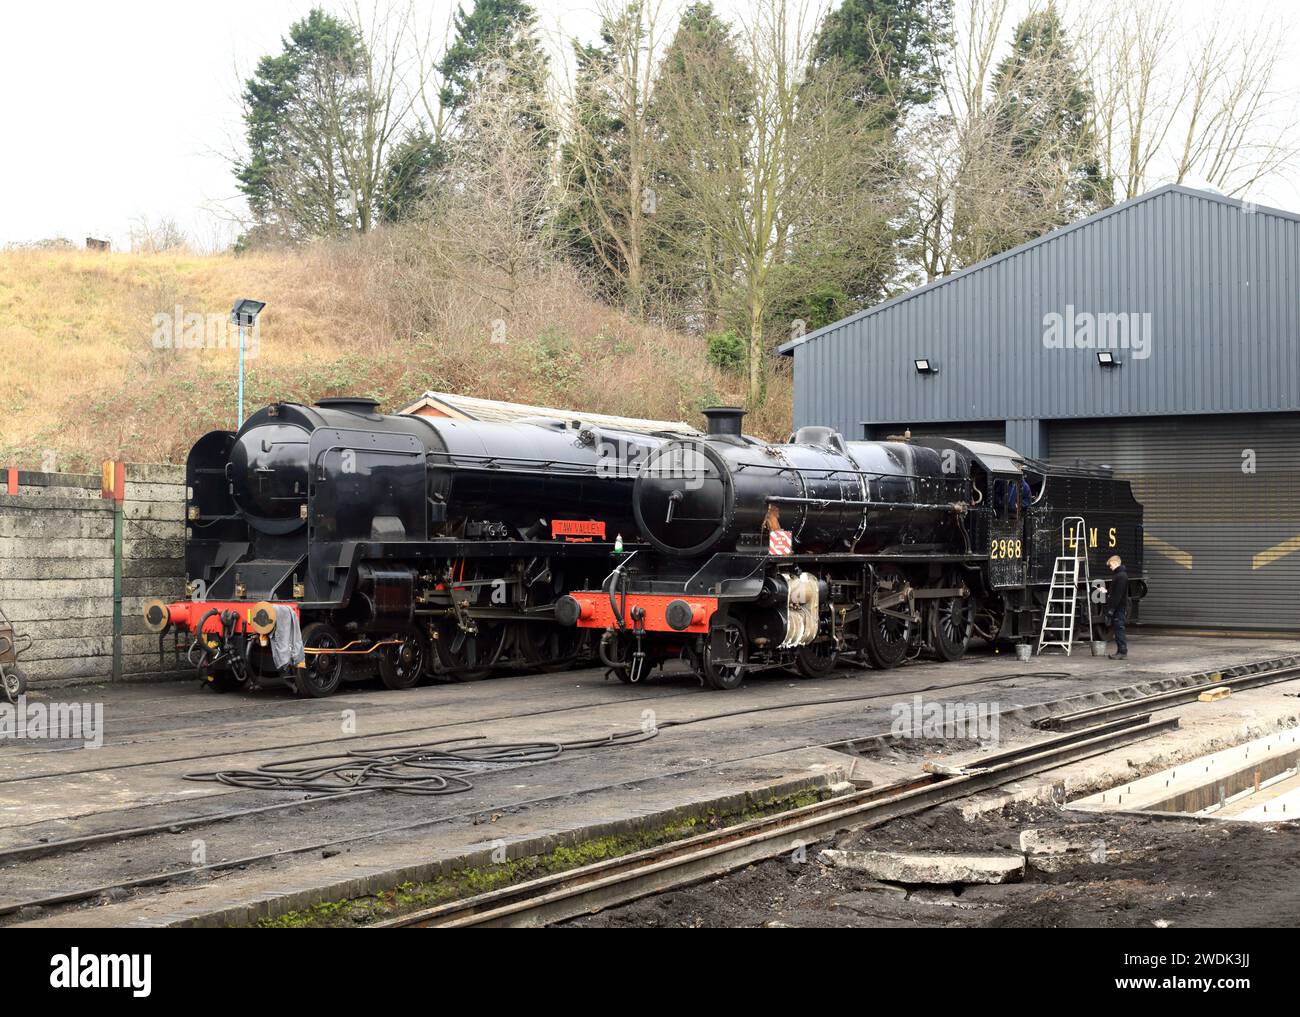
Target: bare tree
[
  {"x": 368, "y": 125},
  {"x": 1166, "y": 105},
  {"x": 427, "y": 46},
  {"x": 979, "y": 28},
  {"x": 157, "y": 236},
  {"x": 487, "y": 225},
  {"x": 1011, "y": 153},
  {"x": 1174, "y": 104},
  {"x": 951, "y": 148}
]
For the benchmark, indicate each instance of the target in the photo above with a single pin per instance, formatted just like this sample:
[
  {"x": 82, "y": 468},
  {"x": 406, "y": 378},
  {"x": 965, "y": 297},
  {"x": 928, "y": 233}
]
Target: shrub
[{"x": 728, "y": 351}]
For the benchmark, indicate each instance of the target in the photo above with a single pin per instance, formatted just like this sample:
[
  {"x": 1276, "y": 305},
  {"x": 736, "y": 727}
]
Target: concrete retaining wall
[{"x": 57, "y": 564}]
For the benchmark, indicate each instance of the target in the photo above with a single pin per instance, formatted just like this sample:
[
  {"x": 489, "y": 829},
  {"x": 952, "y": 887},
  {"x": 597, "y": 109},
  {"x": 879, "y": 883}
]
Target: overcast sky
[{"x": 114, "y": 110}]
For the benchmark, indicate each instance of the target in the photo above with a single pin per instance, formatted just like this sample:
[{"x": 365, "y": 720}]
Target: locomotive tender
[
  {"x": 434, "y": 546},
  {"x": 805, "y": 553}
]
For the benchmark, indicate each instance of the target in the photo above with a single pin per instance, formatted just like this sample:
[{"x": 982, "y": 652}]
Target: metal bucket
[
  {"x": 1099, "y": 648},
  {"x": 1024, "y": 651}
]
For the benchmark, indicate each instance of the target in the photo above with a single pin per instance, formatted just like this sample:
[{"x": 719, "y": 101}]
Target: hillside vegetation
[{"x": 84, "y": 380}]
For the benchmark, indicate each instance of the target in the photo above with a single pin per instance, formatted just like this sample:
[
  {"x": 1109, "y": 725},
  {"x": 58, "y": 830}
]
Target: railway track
[
  {"x": 1243, "y": 676},
  {"x": 49, "y": 847},
  {"x": 53, "y": 848},
  {"x": 594, "y": 887},
  {"x": 1082, "y": 733}
]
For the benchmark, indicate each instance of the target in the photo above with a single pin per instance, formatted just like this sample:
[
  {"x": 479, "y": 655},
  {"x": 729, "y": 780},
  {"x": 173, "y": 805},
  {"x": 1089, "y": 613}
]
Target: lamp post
[{"x": 244, "y": 314}]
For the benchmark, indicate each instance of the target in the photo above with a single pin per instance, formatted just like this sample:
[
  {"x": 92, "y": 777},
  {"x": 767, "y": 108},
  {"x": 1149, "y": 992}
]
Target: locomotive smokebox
[{"x": 724, "y": 420}]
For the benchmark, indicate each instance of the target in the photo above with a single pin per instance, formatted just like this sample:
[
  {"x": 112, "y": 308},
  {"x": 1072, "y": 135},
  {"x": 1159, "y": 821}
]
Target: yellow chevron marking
[
  {"x": 1272, "y": 554},
  {"x": 1174, "y": 554}
]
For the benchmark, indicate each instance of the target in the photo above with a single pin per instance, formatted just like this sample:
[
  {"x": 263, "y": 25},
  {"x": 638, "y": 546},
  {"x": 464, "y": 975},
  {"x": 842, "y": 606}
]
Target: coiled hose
[{"x": 426, "y": 768}]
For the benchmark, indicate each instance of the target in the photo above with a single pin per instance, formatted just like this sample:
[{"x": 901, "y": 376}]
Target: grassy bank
[{"x": 84, "y": 379}]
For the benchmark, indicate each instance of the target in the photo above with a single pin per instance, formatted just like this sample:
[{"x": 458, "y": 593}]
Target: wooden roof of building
[{"x": 463, "y": 407}]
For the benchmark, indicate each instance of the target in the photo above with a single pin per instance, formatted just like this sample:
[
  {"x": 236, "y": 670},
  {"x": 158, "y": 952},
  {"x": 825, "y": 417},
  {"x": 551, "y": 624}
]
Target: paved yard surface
[{"x": 221, "y": 854}]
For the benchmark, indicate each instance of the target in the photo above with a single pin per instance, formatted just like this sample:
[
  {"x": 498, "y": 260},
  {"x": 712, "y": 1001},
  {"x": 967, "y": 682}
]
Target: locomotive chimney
[{"x": 724, "y": 419}]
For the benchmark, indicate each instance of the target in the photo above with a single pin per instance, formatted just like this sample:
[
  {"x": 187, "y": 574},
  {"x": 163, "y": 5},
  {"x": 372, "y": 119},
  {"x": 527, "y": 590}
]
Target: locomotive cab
[{"x": 1001, "y": 497}]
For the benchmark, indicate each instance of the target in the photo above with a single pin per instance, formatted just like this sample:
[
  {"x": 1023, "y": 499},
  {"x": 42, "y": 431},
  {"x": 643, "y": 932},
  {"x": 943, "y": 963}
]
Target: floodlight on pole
[{"x": 244, "y": 314}]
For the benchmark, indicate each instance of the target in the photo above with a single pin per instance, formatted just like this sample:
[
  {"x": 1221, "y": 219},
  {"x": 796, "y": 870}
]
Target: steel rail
[
  {"x": 591, "y": 888},
  {"x": 1244, "y": 676}
]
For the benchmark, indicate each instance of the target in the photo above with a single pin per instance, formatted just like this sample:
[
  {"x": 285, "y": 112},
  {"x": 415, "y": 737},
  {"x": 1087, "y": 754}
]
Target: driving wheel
[
  {"x": 545, "y": 644},
  {"x": 951, "y": 620},
  {"x": 468, "y": 656},
  {"x": 889, "y": 629}
]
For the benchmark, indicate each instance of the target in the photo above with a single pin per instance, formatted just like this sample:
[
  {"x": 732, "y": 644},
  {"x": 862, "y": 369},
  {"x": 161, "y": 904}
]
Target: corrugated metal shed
[
  {"x": 1201, "y": 294},
  {"x": 1209, "y": 284},
  {"x": 463, "y": 407}
]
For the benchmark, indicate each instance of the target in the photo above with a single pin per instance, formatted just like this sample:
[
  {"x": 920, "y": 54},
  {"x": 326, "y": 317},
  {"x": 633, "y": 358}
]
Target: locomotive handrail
[
  {"x": 958, "y": 507},
  {"x": 831, "y": 472},
  {"x": 541, "y": 464}
]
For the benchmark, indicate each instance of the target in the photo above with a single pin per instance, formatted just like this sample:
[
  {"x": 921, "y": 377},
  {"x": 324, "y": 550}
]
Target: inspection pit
[{"x": 1256, "y": 782}]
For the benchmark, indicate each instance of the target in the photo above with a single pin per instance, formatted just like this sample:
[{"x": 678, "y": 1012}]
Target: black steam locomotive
[
  {"x": 434, "y": 546},
  {"x": 806, "y": 553}
]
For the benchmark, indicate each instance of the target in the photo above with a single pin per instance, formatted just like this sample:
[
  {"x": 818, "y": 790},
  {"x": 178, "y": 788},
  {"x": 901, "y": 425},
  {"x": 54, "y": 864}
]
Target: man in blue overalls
[{"x": 1117, "y": 606}]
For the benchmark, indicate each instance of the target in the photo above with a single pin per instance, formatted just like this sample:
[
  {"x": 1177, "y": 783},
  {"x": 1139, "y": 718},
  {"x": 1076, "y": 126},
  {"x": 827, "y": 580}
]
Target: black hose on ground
[
  {"x": 428, "y": 768},
  {"x": 421, "y": 769}
]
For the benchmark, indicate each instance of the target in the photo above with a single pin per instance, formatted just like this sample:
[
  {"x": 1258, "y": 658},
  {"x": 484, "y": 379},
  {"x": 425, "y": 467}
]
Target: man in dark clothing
[{"x": 1117, "y": 606}]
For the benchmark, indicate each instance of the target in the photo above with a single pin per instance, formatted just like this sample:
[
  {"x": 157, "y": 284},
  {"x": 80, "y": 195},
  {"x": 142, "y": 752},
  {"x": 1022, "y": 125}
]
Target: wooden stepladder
[{"x": 1063, "y": 596}]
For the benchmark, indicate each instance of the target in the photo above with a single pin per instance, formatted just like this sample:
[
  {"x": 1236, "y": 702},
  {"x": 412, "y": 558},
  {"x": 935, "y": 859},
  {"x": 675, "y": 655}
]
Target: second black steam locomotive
[{"x": 806, "y": 553}]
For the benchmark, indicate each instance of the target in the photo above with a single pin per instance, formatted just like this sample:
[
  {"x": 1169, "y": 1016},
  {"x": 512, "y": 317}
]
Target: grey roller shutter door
[
  {"x": 1222, "y": 511},
  {"x": 995, "y": 431}
]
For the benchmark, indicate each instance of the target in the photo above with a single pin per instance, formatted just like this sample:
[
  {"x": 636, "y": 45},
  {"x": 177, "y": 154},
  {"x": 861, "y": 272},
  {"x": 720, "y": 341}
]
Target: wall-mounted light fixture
[
  {"x": 1107, "y": 359},
  {"x": 925, "y": 366}
]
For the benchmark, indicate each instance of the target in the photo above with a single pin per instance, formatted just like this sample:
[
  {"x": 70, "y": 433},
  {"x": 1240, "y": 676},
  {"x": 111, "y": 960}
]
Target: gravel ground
[{"x": 1151, "y": 872}]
